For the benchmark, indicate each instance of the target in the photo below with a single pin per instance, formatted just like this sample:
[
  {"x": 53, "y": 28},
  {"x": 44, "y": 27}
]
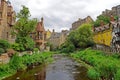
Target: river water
[{"x": 62, "y": 68}]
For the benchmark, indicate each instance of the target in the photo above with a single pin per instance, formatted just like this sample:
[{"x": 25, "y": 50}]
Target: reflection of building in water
[{"x": 41, "y": 75}]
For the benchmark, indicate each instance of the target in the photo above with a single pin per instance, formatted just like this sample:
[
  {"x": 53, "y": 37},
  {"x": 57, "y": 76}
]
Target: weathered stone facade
[
  {"x": 7, "y": 20},
  {"x": 116, "y": 36},
  {"x": 58, "y": 38},
  {"x": 4, "y": 58},
  {"x": 115, "y": 11},
  {"x": 78, "y": 23},
  {"x": 107, "y": 37}
]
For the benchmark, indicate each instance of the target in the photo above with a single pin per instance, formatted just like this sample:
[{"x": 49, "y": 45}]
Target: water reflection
[
  {"x": 81, "y": 73},
  {"x": 37, "y": 73},
  {"x": 41, "y": 75}
]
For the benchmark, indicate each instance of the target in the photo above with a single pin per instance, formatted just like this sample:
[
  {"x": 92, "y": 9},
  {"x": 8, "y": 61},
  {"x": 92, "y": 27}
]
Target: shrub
[
  {"x": 4, "y": 44},
  {"x": 4, "y": 69},
  {"x": 67, "y": 48},
  {"x": 35, "y": 50},
  {"x": 16, "y": 62},
  {"x": 25, "y": 43},
  {"x": 2, "y": 50},
  {"x": 93, "y": 74},
  {"x": 18, "y": 47},
  {"x": 117, "y": 75},
  {"x": 29, "y": 45},
  {"x": 106, "y": 66}
]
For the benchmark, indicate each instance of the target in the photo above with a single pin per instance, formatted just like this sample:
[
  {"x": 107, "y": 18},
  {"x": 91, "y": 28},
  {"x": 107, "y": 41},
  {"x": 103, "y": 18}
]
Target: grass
[
  {"x": 21, "y": 63},
  {"x": 102, "y": 66}
]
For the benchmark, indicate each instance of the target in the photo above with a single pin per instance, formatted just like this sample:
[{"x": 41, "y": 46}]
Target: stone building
[
  {"x": 116, "y": 36},
  {"x": 78, "y": 23},
  {"x": 115, "y": 11},
  {"x": 103, "y": 34},
  {"x": 108, "y": 35},
  {"x": 64, "y": 34},
  {"x": 7, "y": 20},
  {"x": 58, "y": 38},
  {"x": 39, "y": 35},
  {"x": 54, "y": 40}
]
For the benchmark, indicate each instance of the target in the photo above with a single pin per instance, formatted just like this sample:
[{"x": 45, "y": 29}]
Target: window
[{"x": 40, "y": 35}]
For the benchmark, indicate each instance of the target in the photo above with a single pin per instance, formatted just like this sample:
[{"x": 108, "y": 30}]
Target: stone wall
[
  {"x": 7, "y": 20},
  {"x": 80, "y": 21},
  {"x": 4, "y": 58},
  {"x": 106, "y": 49}
]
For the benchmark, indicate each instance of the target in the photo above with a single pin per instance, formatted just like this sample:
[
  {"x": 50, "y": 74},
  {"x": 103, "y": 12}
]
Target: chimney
[
  {"x": 111, "y": 18},
  {"x": 53, "y": 30},
  {"x": 42, "y": 19}
]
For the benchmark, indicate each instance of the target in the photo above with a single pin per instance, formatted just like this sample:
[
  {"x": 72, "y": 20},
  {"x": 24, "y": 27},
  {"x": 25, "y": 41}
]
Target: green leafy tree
[
  {"x": 101, "y": 18},
  {"x": 85, "y": 36},
  {"x": 80, "y": 38},
  {"x": 23, "y": 27}
]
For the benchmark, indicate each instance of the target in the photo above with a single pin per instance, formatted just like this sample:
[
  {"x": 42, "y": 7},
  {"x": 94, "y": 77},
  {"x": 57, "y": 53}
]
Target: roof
[
  {"x": 102, "y": 28},
  {"x": 40, "y": 27},
  {"x": 55, "y": 35}
]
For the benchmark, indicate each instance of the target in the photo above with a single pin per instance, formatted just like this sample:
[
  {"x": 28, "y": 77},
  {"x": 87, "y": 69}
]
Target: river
[{"x": 62, "y": 68}]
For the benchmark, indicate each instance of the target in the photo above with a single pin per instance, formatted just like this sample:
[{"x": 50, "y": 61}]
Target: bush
[
  {"x": 67, "y": 48},
  {"x": 25, "y": 43},
  {"x": 20, "y": 63},
  {"x": 16, "y": 62},
  {"x": 29, "y": 45},
  {"x": 4, "y": 44},
  {"x": 18, "y": 47},
  {"x": 106, "y": 66},
  {"x": 2, "y": 50},
  {"x": 35, "y": 50},
  {"x": 117, "y": 75},
  {"x": 93, "y": 74}
]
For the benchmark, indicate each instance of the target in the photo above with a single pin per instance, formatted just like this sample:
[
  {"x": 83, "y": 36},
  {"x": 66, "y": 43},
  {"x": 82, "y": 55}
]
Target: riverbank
[
  {"x": 100, "y": 65},
  {"x": 62, "y": 68},
  {"x": 18, "y": 63}
]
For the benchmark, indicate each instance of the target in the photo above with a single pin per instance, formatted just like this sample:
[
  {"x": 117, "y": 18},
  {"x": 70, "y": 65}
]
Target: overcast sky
[{"x": 60, "y": 14}]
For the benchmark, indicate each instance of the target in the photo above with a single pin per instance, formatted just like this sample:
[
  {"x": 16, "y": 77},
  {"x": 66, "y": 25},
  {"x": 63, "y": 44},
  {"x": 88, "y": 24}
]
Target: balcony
[{"x": 39, "y": 41}]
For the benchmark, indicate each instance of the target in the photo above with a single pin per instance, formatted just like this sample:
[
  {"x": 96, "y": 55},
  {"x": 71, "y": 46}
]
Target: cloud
[{"x": 60, "y": 14}]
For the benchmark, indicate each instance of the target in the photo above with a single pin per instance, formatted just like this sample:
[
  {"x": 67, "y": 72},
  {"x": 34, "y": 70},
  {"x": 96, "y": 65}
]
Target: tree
[
  {"x": 23, "y": 27},
  {"x": 85, "y": 36},
  {"x": 80, "y": 38},
  {"x": 100, "y": 19}
]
